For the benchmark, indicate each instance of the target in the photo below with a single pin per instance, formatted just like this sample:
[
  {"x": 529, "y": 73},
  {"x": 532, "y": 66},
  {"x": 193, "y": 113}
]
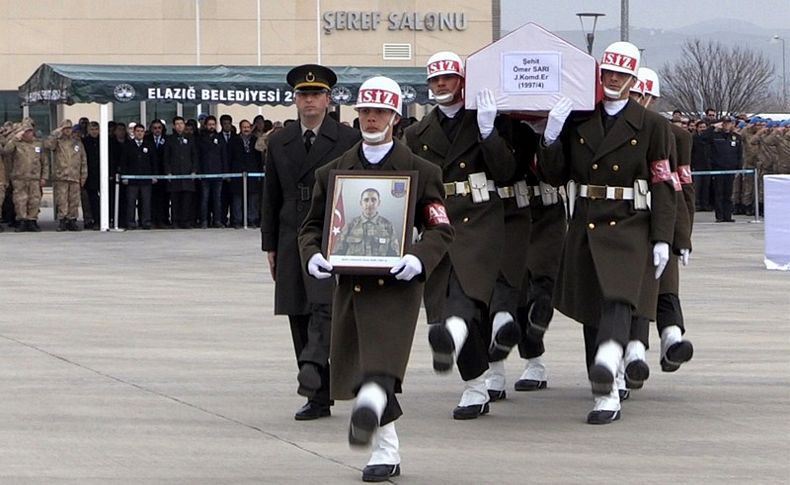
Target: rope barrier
[{"x": 193, "y": 177}]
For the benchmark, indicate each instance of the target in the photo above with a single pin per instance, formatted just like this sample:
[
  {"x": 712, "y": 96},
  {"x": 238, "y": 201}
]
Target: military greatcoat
[
  {"x": 290, "y": 176},
  {"x": 608, "y": 247},
  {"x": 476, "y": 253},
  {"x": 374, "y": 317}
]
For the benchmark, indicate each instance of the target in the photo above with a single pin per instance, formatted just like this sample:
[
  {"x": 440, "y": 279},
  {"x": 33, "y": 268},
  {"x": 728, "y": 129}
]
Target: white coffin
[
  {"x": 533, "y": 69},
  {"x": 777, "y": 221}
]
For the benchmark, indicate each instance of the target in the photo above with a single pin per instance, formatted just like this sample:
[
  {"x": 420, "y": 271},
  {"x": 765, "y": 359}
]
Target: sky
[{"x": 662, "y": 14}]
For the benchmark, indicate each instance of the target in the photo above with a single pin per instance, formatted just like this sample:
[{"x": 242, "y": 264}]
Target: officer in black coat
[
  {"x": 294, "y": 154},
  {"x": 244, "y": 158},
  {"x": 91, "y": 189},
  {"x": 160, "y": 197},
  {"x": 226, "y": 135},
  {"x": 212, "y": 161},
  {"x": 139, "y": 158},
  {"x": 181, "y": 158},
  {"x": 726, "y": 152}
]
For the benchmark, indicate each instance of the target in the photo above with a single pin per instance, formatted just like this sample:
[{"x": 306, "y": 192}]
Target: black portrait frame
[{"x": 373, "y": 268}]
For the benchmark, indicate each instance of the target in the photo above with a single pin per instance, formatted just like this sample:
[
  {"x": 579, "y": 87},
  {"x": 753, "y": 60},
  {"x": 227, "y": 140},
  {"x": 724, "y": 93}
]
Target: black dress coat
[{"x": 181, "y": 158}]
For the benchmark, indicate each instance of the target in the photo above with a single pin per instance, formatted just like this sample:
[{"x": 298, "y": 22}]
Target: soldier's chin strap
[{"x": 378, "y": 136}]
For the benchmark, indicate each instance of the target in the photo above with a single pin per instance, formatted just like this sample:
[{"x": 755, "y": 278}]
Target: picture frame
[{"x": 369, "y": 219}]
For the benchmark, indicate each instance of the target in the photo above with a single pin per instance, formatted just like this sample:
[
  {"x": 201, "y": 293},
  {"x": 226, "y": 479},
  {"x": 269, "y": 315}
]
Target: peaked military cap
[{"x": 311, "y": 77}]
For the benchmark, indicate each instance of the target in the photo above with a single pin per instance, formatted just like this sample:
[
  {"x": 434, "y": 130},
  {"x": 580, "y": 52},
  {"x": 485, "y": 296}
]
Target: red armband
[
  {"x": 434, "y": 214},
  {"x": 676, "y": 182},
  {"x": 660, "y": 171},
  {"x": 684, "y": 172}
]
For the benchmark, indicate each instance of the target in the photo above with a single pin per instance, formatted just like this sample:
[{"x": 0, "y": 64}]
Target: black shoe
[
  {"x": 204, "y": 226},
  {"x": 237, "y": 226},
  {"x": 379, "y": 473},
  {"x": 729, "y": 220},
  {"x": 312, "y": 410},
  {"x": 22, "y": 226},
  {"x": 362, "y": 426},
  {"x": 504, "y": 340},
  {"x": 525, "y": 385},
  {"x": 442, "y": 347},
  {"x": 624, "y": 394},
  {"x": 33, "y": 227},
  {"x": 601, "y": 379},
  {"x": 72, "y": 225},
  {"x": 748, "y": 210},
  {"x": 62, "y": 226},
  {"x": 470, "y": 412},
  {"x": 602, "y": 417},
  {"x": 1, "y": 228},
  {"x": 309, "y": 379},
  {"x": 217, "y": 225},
  {"x": 494, "y": 396},
  {"x": 146, "y": 227},
  {"x": 131, "y": 227},
  {"x": 677, "y": 354},
  {"x": 636, "y": 373}
]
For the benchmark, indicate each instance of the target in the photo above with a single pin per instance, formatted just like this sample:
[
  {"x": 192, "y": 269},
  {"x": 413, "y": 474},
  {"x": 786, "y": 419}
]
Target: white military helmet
[
  {"x": 445, "y": 62},
  {"x": 621, "y": 57},
  {"x": 638, "y": 87},
  {"x": 380, "y": 92},
  {"x": 649, "y": 79}
]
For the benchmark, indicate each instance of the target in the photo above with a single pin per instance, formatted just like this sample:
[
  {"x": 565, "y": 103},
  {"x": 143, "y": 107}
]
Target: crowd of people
[{"x": 732, "y": 143}]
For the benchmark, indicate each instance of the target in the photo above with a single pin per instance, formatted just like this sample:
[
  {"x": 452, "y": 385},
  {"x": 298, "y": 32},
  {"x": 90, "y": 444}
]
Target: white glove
[
  {"x": 486, "y": 112},
  {"x": 557, "y": 116},
  {"x": 407, "y": 268},
  {"x": 660, "y": 257},
  {"x": 318, "y": 267},
  {"x": 685, "y": 254}
]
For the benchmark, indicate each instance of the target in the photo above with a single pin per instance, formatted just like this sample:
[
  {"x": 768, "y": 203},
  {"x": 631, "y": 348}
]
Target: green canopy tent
[{"x": 244, "y": 85}]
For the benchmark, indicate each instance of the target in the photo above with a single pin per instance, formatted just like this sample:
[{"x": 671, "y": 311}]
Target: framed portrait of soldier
[{"x": 369, "y": 219}]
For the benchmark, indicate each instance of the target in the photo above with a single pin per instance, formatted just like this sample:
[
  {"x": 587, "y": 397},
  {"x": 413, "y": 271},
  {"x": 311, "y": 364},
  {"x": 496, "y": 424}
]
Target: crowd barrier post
[
  {"x": 244, "y": 184},
  {"x": 117, "y": 201},
  {"x": 756, "y": 196}
]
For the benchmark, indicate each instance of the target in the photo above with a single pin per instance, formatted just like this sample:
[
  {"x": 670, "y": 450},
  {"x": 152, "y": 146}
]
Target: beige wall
[{"x": 163, "y": 32}]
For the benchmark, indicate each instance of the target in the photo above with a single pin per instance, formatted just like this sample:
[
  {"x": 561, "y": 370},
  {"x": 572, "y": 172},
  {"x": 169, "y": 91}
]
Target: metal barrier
[
  {"x": 742, "y": 171},
  {"x": 242, "y": 175}
]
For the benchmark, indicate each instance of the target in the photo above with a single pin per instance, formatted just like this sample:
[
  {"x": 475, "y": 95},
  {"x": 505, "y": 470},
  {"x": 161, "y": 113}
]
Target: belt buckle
[
  {"x": 304, "y": 192},
  {"x": 461, "y": 188},
  {"x": 596, "y": 192},
  {"x": 619, "y": 193}
]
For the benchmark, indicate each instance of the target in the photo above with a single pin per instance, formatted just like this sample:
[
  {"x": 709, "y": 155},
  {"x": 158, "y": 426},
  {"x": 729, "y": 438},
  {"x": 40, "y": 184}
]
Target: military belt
[
  {"x": 606, "y": 192},
  {"x": 463, "y": 188}
]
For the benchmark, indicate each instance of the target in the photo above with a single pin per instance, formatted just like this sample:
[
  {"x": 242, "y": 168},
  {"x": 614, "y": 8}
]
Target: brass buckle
[
  {"x": 596, "y": 192},
  {"x": 449, "y": 189},
  {"x": 618, "y": 193}
]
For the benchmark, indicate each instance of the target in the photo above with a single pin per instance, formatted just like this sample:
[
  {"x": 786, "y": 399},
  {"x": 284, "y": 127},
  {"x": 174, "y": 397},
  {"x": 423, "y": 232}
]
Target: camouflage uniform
[
  {"x": 29, "y": 168},
  {"x": 743, "y": 192},
  {"x": 368, "y": 237},
  {"x": 70, "y": 172},
  {"x": 782, "y": 164}
]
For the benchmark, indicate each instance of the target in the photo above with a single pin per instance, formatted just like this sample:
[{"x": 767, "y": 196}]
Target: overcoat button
[
  {"x": 615, "y": 167},
  {"x": 595, "y": 166},
  {"x": 581, "y": 141},
  {"x": 381, "y": 282},
  {"x": 591, "y": 225},
  {"x": 462, "y": 165},
  {"x": 425, "y": 148},
  {"x": 634, "y": 142},
  {"x": 357, "y": 288},
  {"x": 466, "y": 219},
  {"x": 612, "y": 223}
]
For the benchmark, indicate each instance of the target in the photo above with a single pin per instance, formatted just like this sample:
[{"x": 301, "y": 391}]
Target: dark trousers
[
  {"x": 722, "y": 193},
  {"x": 253, "y": 209},
  {"x": 504, "y": 298},
  {"x": 538, "y": 295},
  {"x": 473, "y": 358},
  {"x": 311, "y": 334},
  {"x": 669, "y": 312},
  {"x": 91, "y": 210},
  {"x": 226, "y": 200},
  {"x": 390, "y": 384},
  {"x": 122, "y": 213},
  {"x": 182, "y": 209},
  {"x": 702, "y": 192},
  {"x": 138, "y": 197},
  {"x": 160, "y": 204},
  {"x": 8, "y": 214},
  {"x": 640, "y": 330},
  {"x": 615, "y": 324},
  {"x": 210, "y": 200}
]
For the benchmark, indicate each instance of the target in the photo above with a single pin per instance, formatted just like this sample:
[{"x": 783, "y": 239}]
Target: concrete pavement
[{"x": 153, "y": 357}]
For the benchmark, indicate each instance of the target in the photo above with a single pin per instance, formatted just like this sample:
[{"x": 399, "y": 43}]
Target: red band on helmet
[
  {"x": 379, "y": 96},
  {"x": 620, "y": 60},
  {"x": 648, "y": 84},
  {"x": 684, "y": 172},
  {"x": 444, "y": 66},
  {"x": 435, "y": 214},
  {"x": 660, "y": 171}
]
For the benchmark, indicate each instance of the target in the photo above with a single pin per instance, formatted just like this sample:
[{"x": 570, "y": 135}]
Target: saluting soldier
[
  {"x": 294, "y": 153},
  {"x": 369, "y": 234},
  {"x": 28, "y": 175},
  {"x": 614, "y": 158},
  {"x": 69, "y": 175},
  {"x": 473, "y": 157},
  {"x": 374, "y": 317},
  {"x": 3, "y": 176}
]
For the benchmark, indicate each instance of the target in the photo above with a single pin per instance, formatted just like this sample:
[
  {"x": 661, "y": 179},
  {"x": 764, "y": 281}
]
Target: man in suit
[
  {"x": 614, "y": 160},
  {"x": 294, "y": 153},
  {"x": 160, "y": 198},
  {"x": 212, "y": 161},
  {"x": 244, "y": 158},
  {"x": 139, "y": 158},
  {"x": 473, "y": 157},
  {"x": 181, "y": 158},
  {"x": 227, "y": 133}
]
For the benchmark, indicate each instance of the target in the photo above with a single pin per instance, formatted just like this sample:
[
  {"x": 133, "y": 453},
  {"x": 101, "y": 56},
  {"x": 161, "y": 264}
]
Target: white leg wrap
[
  {"x": 495, "y": 376},
  {"x": 457, "y": 328},
  {"x": 500, "y": 320},
  {"x": 609, "y": 355},
  {"x": 669, "y": 336},
  {"x": 608, "y": 402},
  {"x": 635, "y": 350},
  {"x": 535, "y": 370},
  {"x": 385, "y": 446},
  {"x": 373, "y": 396},
  {"x": 475, "y": 392},
  {"x": 619, "y": 378}
]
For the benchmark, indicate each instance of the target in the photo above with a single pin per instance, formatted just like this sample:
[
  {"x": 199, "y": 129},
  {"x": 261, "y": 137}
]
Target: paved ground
[{"x": 153, "y": 357}]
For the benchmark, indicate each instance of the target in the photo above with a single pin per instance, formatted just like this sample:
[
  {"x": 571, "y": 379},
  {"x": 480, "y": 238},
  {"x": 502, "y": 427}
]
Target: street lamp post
[
  {"x": 784, "y": 73},
  {"x": 589, "y": 36}
]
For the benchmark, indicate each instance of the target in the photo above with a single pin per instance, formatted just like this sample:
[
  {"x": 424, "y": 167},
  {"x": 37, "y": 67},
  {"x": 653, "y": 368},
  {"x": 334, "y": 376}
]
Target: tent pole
[{"x": 104, "y": 167}]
